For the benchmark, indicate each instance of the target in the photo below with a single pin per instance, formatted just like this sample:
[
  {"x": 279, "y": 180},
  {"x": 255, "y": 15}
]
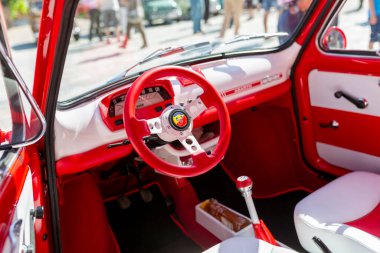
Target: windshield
[{"x": 114, "y": 39}]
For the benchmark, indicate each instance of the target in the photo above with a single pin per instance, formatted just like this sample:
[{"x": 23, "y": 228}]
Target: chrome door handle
[
  {"x": 14, "y": 235},
  {"x": 359, "y": 102},
  {"x": 333, "y": 125}
]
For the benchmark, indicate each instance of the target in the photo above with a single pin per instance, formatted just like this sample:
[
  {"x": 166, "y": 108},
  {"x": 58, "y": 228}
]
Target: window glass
[
  {"x": 22, "y": 20},
  {"x": 356, "y": 27},
  {"x": 20, "y": 123},
  {"x": 111, "y": 36}
]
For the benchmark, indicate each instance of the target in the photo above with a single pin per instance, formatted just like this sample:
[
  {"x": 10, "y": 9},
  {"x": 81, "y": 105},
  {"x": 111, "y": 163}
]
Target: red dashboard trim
[
  {"x": 102, "y": 155},
  {"x": 91, "y": 159}
]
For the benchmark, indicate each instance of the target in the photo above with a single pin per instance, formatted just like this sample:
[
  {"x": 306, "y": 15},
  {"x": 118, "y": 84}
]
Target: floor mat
[
  {"x": 147, "y": 227},
  {"x": 277, "y": 212}
]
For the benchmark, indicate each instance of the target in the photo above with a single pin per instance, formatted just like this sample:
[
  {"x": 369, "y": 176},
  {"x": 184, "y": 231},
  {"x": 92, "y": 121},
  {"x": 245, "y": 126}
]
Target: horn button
[{"x": 176, "y": 123}]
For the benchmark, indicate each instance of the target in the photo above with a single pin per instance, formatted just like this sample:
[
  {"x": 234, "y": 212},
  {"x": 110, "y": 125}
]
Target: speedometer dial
[{"x": 149, "y": 96}]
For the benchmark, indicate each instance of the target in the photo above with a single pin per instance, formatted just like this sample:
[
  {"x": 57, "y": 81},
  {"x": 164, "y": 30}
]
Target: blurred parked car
[
  {"x": 215, "y": 7},
  {"x": 161, "y": 11}
]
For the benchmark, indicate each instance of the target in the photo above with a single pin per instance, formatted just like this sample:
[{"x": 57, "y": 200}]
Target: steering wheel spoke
[
  {"x": 195, "y": 108},
  {"x": 154, "y": 125},
  {"x": 191, "y": 145}
]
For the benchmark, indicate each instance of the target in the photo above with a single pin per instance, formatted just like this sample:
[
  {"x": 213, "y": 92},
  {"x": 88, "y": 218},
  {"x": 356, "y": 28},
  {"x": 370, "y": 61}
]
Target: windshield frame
[{"x": 117, "y": 83}]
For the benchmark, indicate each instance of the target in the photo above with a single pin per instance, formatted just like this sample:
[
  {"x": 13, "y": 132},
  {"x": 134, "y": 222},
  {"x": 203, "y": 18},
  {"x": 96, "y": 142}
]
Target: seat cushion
[
  {"x": 246, "y": 245},
  {"x": 332, "y": 212}
]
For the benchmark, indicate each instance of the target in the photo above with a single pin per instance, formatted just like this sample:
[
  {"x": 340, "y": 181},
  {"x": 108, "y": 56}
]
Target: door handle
[
  {"x": 14, "y": 235},
  {"x": 333, "y": 125},
  {"x": 359, "y": 102}
]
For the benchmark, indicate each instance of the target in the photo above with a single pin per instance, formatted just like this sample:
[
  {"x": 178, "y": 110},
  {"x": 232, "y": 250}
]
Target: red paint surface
[
  {"x": 315, "y": 14},
  {"x": 358, "y": 132},
  {"x": 369, "y": 223},
  {"x": 10, "y": 190},
  {"x": 50, "y": 30},
  {"x": 84, "y": 224},
  {"x": 91, "y": 159},
  {"x": 269, "y": 153},
  {"x": 312, "y": 59},
  {"x": 39, "y": 195}
]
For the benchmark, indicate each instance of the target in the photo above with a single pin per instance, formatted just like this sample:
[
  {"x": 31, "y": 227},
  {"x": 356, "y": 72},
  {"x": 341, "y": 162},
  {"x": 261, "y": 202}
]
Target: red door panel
[
  {"x": 356, "y": 131},
  {"x": 357, "y": 136}
]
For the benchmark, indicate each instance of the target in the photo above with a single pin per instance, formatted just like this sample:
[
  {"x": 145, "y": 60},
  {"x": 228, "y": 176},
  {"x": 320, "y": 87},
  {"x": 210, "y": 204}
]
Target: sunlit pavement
[{"x": 104, "y": 61}]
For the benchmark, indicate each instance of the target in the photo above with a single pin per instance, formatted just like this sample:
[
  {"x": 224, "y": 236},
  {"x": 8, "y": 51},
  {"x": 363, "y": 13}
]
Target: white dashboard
[{"x": 82, "y": 128}]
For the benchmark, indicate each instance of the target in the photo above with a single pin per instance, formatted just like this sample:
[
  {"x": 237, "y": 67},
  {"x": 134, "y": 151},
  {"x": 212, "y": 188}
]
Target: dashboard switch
[{"x": 118, "y": 122}]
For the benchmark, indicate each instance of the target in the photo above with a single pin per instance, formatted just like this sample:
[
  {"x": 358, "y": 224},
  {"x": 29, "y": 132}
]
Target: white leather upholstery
[
  {"x": 246, "y": 245},
  {"x": 324, "y": 212}
]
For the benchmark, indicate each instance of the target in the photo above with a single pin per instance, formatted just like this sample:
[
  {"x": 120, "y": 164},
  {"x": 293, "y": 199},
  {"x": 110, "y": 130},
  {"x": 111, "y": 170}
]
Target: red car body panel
[
  {"x": 50, "y": 30},
  {"x": 27, "y": 159}
]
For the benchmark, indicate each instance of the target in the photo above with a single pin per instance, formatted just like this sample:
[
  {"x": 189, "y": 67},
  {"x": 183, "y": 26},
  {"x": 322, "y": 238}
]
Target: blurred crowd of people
[
  {"x": 290, "y": 13},
  {"x": 119, "y": 17}
]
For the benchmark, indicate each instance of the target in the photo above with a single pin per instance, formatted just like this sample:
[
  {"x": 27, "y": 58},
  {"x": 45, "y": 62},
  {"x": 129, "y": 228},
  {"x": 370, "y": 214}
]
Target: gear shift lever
[{"x": 244, "y": 185}]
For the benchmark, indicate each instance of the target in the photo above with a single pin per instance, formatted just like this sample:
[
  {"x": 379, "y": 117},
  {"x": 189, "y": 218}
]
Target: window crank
[
  {"x": 359, "y": 102},
  {"x": 333, "y": 125}
]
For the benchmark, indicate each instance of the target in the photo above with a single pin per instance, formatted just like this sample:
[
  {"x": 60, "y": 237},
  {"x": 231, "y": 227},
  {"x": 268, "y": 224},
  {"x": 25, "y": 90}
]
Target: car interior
[{"x": 139, "y": 160}]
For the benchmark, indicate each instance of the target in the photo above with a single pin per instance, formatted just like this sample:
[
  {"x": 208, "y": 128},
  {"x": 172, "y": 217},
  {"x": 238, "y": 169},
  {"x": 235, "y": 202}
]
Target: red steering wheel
[{"x": 176, "y": 123}]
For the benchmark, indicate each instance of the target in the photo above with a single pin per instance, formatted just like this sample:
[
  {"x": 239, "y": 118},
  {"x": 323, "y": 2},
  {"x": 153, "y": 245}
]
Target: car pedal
[
  {"x": 146, "y": 195},
  {"x": 124, "y": 202}
]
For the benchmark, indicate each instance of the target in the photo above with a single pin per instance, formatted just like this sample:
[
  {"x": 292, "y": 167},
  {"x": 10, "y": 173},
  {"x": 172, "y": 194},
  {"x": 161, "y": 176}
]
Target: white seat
[
  {"x": 246, "y": 245},
  {"x": 335, "y": 213}
]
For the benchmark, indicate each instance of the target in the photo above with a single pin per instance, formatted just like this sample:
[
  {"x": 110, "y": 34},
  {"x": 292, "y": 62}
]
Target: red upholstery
[
  {"x": 369, "y": 223},
  {"x": 84, "y": 222}
]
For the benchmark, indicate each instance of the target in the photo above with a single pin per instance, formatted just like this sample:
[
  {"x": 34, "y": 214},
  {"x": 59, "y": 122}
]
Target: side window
[
  {"x": 355, "y": 27},
  {"x": 20, "y": 33},
  {"x": 21, "y": 122}
]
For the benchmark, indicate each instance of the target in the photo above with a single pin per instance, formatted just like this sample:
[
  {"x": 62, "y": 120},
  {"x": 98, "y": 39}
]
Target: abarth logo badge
[{"x": 179, "y": 120}]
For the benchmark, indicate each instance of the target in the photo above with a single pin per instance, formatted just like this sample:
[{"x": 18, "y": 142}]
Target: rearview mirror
[{"x": 334, "y": 39}]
